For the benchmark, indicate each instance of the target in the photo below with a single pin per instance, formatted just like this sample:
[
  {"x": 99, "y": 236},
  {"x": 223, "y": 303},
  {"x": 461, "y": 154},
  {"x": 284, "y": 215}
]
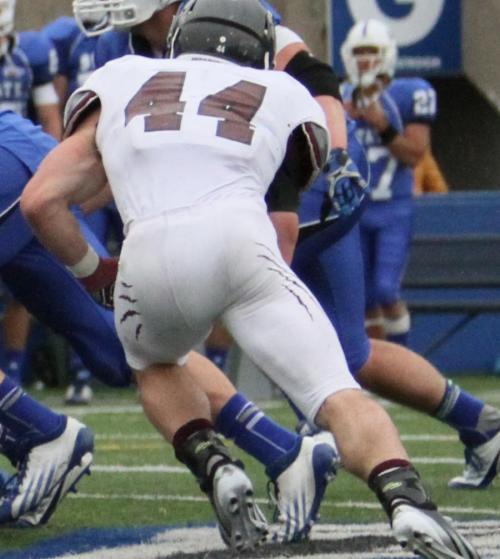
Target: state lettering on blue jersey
[
  {"x": 30, "y": 62},
  {"x": 405, "y": 101}
]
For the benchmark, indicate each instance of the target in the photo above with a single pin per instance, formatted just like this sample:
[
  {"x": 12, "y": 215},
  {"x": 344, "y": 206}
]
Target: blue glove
[{"x": 346, "y": 187}]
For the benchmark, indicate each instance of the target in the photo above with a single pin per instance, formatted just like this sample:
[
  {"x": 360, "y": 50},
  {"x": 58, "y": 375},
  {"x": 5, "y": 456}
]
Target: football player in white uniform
[{"x": 200, "y": 247}]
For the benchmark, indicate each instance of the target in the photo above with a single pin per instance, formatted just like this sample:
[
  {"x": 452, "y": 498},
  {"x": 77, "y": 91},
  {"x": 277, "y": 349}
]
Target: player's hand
[
  {"x": 363, "y": 97},
  {"x": 101, "y": 283},
  {"x": 346, "y": 187}
]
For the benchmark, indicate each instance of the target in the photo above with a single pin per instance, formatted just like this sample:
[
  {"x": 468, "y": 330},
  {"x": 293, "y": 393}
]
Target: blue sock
[
  {"x": 218, "y": 356},
  {"x": 469, "y": 416},
  {"x": 25, "y": 418},
  {"x": 76, "y": 367},
  {"x": 14, "y": 362},
  {"x": 253, "y": 432}
]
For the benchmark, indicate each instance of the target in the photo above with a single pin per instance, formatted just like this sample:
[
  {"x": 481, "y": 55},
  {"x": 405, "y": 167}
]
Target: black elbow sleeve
[{"x": 318, "y": 77}]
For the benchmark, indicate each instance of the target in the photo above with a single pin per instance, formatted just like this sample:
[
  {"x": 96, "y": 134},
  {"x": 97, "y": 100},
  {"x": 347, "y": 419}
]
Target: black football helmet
[{"x": 239, "y": 30}]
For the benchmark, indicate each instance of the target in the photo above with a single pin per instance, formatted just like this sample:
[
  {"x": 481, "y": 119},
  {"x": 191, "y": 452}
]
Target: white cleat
[
  {"x": 46, "y": 474},
  {"x": 428, "y": 534},
  {"x": 241, "y": 523},
  {"x": 300, "y": 487},
  {"x": 482, "y": 465},
  {"x": 78, "y": 395}
]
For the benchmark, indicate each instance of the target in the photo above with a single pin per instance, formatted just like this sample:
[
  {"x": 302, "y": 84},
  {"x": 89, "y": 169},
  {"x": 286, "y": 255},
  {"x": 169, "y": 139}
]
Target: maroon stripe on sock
[{"x": 387, "y": 465}]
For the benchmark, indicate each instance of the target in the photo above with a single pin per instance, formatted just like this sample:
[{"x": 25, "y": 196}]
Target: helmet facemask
[
  {"x": 369, "y": 53},
  {"x": 114, "y": 14}
]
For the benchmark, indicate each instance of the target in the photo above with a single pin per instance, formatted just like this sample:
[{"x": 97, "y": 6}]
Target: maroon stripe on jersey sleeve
[{"x": 77, "y": 108}]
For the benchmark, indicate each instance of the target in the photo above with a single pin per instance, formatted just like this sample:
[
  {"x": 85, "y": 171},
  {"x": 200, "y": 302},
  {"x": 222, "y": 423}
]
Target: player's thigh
[
  {"x": 286, "y": 333},
  {"x": 392, "y": 251}
]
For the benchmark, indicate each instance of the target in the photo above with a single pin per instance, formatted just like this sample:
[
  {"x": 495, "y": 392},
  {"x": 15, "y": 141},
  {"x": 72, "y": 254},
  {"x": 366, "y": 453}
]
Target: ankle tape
[{"x": 400, "y": 484}]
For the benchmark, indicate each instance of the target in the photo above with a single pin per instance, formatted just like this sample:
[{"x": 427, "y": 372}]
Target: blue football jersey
[
  {"x": 21, "y": 142},
  {"x": 30, "y": 62},
  {"x": 28, "y": 143},
  {"x": 405, "y": 101},
  {"x": 81, "y": 61},
  {"x": 62, "y": 32},
  {"x": 75, "y": 51}
]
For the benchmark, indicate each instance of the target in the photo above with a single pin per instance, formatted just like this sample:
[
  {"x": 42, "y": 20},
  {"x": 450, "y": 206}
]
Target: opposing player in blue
[
  {"x": 75, "y": 53},
  {"x": 393, "y": 118},
  {"x": 329, "y": 259},
  {"x": 27, "y": 67},
  {"x": 51, "y": 294},
  {"x": 38, "y": 280}
]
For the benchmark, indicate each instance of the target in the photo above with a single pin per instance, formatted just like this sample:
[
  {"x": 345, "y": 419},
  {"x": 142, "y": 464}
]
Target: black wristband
[{"x": 388, "y": 134}]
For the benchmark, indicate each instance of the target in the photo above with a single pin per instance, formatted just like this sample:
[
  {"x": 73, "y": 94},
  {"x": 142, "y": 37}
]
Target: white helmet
[
  {"x": 7, "y": 15},
  {"x": 382, "y": 61},
  {"x": 98, "y": 16}
]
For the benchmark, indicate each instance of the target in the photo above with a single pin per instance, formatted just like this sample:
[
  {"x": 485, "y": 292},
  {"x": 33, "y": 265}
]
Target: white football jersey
[{"x": 176, "y": 133}]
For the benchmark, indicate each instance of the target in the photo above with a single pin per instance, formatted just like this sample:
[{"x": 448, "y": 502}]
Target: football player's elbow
[{"x": 36, "y": 204}]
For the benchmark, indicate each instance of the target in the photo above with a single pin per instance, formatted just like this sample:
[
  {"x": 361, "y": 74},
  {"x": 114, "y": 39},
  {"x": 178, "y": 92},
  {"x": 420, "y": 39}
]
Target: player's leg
[
  {"x": 393, "y": 371},
  {"x": 392, "y": 250},
  {"x": 157, "y": 333},
  {"x": 374, "y": 317},
  {"x": 52, "y": 452},
  {"x": 311, "y": 368},
  {"x": 16, "y": 325},
  {"x": 396, "y": 373}
]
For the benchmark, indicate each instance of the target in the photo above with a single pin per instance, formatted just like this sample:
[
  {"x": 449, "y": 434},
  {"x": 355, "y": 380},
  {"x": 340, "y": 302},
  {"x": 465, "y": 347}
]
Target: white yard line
[
  {"x": 330, "y": 504},
  {"x": 168, "y": 469}
]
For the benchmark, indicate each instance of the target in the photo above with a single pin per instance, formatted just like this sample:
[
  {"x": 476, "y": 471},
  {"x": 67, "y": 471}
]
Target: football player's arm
[
  {"x": 69, "y": 175},
  {"x": 48, "y": 112},
  {"x": 409, "y": 146},
  {"x": 61, "y": 85},
  {"x": 306, "y": 153},
  {"x": 347, "y": 187},
  {"x": 293, "y": 56},
  {"x": 286, "y": 225},
  {"x": 44, "y": 64}
]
